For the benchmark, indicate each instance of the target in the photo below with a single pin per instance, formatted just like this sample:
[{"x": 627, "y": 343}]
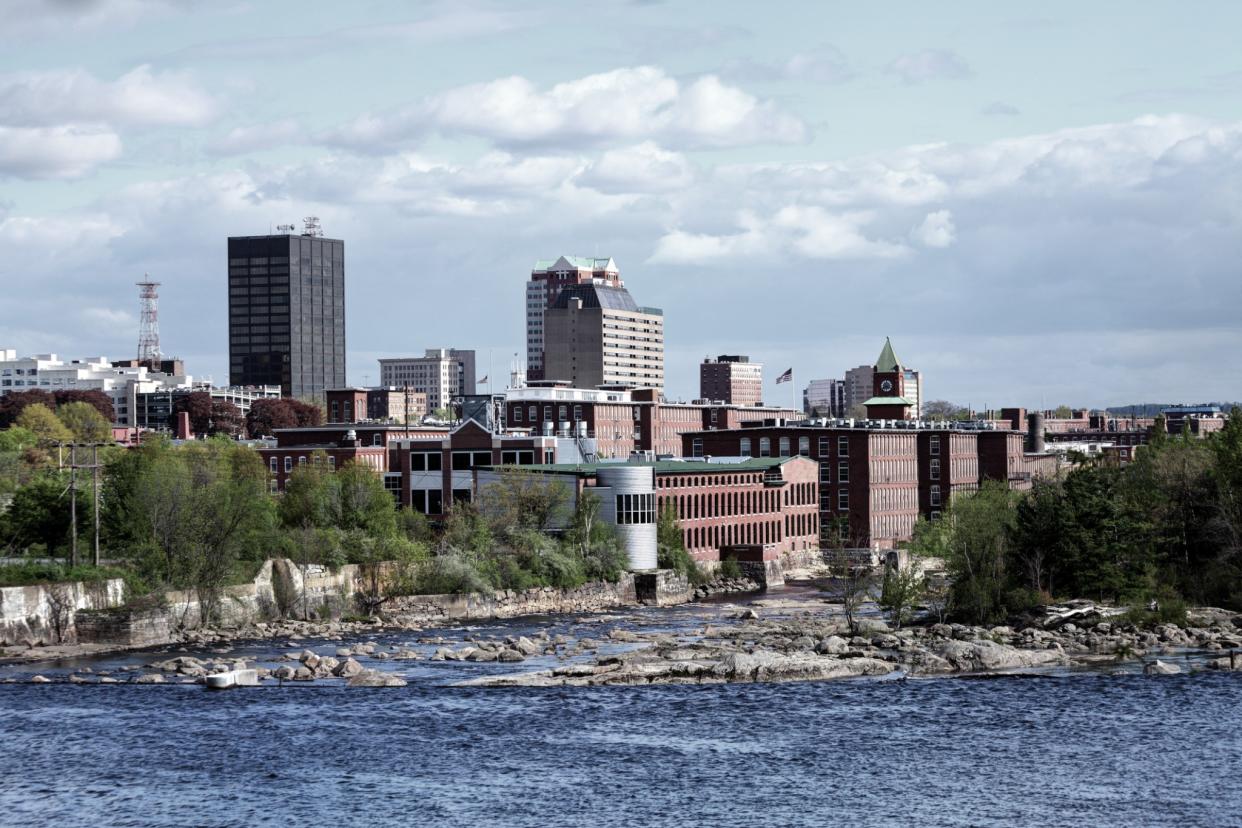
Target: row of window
[
  {"x": 636, "y": 509},
  {"x": 288, "y": 465}
]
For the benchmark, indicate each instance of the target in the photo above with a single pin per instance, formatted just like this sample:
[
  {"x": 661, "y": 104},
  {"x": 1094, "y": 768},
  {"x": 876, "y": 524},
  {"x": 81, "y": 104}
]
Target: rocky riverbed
[{"x": 793, "y": 634}]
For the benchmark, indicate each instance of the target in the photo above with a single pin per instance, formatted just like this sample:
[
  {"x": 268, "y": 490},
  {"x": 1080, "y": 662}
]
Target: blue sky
[{"x": 1039, "y": 205}]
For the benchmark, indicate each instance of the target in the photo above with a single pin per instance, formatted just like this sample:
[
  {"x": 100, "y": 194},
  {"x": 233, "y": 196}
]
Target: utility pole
[
  {"x": 73, "y": 507},
  {"x": 95, "y": 490}
]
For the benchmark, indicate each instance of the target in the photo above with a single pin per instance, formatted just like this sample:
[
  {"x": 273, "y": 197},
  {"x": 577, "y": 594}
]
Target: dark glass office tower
[{"x": 287, "y": 313}]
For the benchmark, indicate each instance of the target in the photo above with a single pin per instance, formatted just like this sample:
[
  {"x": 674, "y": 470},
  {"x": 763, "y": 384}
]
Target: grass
[{"x": 31, "y": 574}]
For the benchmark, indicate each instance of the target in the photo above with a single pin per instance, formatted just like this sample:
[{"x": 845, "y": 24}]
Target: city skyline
[{"x": 795, "y": 198}]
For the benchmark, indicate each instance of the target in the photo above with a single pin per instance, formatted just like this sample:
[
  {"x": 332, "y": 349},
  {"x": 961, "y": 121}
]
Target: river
[{"x": 1091, "y": 748}]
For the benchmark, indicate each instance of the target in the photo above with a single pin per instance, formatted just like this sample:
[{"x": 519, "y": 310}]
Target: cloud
[
  {"x": 643, "y": 167},
  {"x": 139, "y": 97},
  {"x": 23, "y": 18},
  {"x": 1000, "y": 108},
  {"x": 930, "y": 64},
  {"x": 936, "y": 230},
  {"x": 622, "y": 106},
  {"x": 55, "y": 152},
  {"x": 826, "y": 64},
  {"x": 244, "y": 139}
]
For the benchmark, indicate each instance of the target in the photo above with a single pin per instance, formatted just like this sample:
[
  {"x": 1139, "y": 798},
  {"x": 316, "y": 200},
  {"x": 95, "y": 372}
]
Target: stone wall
[
  {"x": 597, "y": 595},
  {"x": 45, "y": 613},
  {"x": 662, "y": 588}
]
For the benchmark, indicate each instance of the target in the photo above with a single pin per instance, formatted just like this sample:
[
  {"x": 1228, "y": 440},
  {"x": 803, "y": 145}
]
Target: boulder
[
  {"x": 527, "y": 647},
  {"x": 149, "y": 678},
  {"x": 832, "y": 645},
  {"x": 309, "y": 659},
  {"x": 1161, "y": 668},
  {"x": 40, "y": 680},
  {"x": 374, "y": 678},
  {"x": 284, "y": 673},
  {"x": 348, "y": 669},
  {"x": 303, "y": 673},
  {"x": 482, "y": 655},
  {"x": 510, "y": 656}
]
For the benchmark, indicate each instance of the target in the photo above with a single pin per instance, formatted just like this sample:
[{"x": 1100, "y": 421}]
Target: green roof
[
  {"x": 888, "y": 401},
  {"x": 888, "y": 360},
  {"x": 662, "y": 466}
]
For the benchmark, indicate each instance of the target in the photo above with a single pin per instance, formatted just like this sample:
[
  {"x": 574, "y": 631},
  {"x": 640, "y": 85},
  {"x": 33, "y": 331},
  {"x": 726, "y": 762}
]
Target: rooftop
[{"x": 664, "y": 466}]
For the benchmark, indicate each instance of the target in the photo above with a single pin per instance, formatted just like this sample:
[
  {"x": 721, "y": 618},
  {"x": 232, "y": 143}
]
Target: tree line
[{"x": 1164, "y": 530}]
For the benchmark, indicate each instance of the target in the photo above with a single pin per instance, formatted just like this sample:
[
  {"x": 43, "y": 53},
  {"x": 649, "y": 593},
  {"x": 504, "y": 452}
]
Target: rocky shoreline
[{"x": 800, "y": 638}]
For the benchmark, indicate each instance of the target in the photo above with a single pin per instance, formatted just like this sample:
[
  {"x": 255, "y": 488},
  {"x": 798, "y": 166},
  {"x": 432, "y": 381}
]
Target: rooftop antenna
[
  {"x": 149, "y": 320},
  {"x": 310, "y": 226},
  {"x": 284, "y": 229}
]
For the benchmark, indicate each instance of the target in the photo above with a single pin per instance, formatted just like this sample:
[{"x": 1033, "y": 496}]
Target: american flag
[{"x": 785, "y": 377}]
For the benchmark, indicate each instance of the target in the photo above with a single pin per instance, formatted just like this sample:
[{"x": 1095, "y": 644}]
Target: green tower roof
[{"x": 888, "y": 360}]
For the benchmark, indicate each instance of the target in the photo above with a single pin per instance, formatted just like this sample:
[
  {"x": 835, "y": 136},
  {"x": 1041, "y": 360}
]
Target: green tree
[
  {"x": 901, "y": 591},
  {"x": 84, "y": 422},
  {"x": 40, "y": 421},
  {"x": 979, "y": 526},
  {"x": 40, "y": 515}
]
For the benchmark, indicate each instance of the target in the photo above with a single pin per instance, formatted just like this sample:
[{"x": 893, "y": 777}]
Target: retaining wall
[{"x": 45, "y": 613}]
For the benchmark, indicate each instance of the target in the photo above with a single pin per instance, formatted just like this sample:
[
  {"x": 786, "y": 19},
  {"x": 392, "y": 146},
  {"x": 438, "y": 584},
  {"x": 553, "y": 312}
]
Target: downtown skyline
[{"x": 791, "y": 198}]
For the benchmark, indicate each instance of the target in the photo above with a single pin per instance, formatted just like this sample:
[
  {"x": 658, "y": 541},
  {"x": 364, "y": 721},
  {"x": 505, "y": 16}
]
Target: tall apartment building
[
  {"x": 731, "y": 378},
  {"x": 547, "y": 279},
  {"x": 597, "y": 335},
  {"x": 440, "y": 373},
  {"x": 287, "y": 312}
]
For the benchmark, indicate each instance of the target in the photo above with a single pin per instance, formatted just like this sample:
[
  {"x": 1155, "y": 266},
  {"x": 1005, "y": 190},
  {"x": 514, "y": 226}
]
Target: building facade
[
  {"x": 287, "y": 313},
  {"x": 825, "y": 398},
  {"x": 596, "y": 334},
  {"x": 153, "y": 408},
  {"x": 442, "y": 374},
  {"x": 731, "y": 378},
  {"x": 547, "y": 279},
  {"x": 393, "y": 405}
]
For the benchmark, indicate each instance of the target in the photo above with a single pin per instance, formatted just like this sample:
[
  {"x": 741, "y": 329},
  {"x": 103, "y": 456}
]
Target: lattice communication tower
[{"x": 149, "y": 321}]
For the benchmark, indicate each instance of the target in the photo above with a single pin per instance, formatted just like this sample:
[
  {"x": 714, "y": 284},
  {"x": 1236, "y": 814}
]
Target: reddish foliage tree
[
  {"x": 265, "y": 416},
  {"x": 226, "y": 418},
  {"x": 198, "y": 405},
  {"x": 306, "y": 413},
  {"x": 13, "y": 403},
  {"x": 101, "y": 401}
]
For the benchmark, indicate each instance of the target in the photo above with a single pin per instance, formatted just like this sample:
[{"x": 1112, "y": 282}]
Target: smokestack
[
  {"x": 183, "y": 426},
  {"x": 1035, "y": 432}
]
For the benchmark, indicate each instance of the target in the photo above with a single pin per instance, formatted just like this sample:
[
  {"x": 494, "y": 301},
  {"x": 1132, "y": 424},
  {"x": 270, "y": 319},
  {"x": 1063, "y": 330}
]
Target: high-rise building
[
  {"x": 597, "y": 335},
  {"x": 547, "y": 279},
  {"x": 287, "y": 312},
  {"x": 441, "y": 373},
  {"x": 825, "y": 398},
  {"x": 731, "y": 378},
  {"x": 914, "y": 392},
  {"x": 858, "y": 382}
]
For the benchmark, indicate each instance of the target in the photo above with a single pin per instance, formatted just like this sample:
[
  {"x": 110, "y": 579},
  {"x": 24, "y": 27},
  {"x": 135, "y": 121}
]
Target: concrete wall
[
  {"x": 597, "y": 595},
  {"x": 45, "y": 613}
]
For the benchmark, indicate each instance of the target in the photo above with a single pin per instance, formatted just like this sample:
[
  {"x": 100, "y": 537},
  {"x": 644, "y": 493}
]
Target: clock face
[{"x": 886, "y": 386}]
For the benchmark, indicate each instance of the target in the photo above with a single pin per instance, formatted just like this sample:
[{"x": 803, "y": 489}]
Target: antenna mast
[{"x": 149, "y": 321}]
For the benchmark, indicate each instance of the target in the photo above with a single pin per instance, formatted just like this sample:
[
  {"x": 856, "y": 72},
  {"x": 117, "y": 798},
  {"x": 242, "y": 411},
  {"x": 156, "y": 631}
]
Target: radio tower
[{"x": 149, "y": 323}]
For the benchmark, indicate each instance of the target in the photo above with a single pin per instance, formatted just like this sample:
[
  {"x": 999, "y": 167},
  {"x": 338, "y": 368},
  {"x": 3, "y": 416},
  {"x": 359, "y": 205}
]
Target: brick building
[
  {"x": 353, "y": 405},
  {"x": 596, "y": 335},
  {"x": 731, "y": 378},
  {"x": 547, "y": 279}
]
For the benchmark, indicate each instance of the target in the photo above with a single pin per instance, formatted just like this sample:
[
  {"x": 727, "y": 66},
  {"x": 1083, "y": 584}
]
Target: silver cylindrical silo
[{"x": 632, "y": 509}]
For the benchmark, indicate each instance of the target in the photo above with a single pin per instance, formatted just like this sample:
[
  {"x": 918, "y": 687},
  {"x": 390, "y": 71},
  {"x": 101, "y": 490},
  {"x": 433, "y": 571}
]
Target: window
[
  {"x": 517, "y": 413},
  {"x": 272, "y": 464},
  {"x": 288, "y": 464},
  {"x": 562, "y": 413},
  {"x": 697, "y": 447},
  {"x": 435, "y": 502},
  {"x": 461, "y": 496},
  {"x": 425, "y": 461},
  {"x": 843, "y": 471},
  {"x": 935, "y": 495},
  {"x": 934, "y": 444},
  {"x": 935, "y": 468},
  {"x": 533, "y": 412},
  {"x": 332, "y": 463},
  {"x": 744, "y": 447},
  {"x": 823, "y": 446},
  {"x": 765, "y": 446},
  {"x": 843, "y": 500},
  {"x": 804, "y": 446},
  {"x": 843, "y": 446},
  {"x": 577, "y": 413},
  {"x": 301, "y": 459},
  {"x": 825, "y": 473},
  {"x": 784, "y": 446},
  {"x": 547, "y": 413},
  {"x": 636, "y": 508},
  {"x": 935, "y": 516}
]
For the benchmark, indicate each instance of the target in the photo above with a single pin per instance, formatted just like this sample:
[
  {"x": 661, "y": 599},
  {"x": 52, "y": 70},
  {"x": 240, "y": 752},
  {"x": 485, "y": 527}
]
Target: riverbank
[{"x": 793, "y": 634}]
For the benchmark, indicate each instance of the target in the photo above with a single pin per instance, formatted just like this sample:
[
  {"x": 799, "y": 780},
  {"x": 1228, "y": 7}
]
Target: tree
[
  {"x": 523, "y": 500},
  {"x": 976, "y": 548},
  {"x": 40, "y": 421},
  {"x": 943, "y": 410},
  {"x": 13, "y": 403},
  {"x": 1063, "y": 412},
  {"x": 226, "y": 419},
  {"x": 671, "y": 550},
  {"x": 198, "y": 405},
  {"x": 20, "y": 458},
  {"x": 97, "y": 399},
  {"x": 268, "y": 415},
  {"x": 901, "y": 590},
  {"x": 306, "y": 414},
  {"x": 40, "y": 514},
  {"x": 85, "y": 423}
]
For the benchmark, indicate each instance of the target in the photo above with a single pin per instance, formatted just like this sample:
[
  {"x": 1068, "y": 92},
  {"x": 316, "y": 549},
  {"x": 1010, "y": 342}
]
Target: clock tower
[{"x": 888, "y": 386}]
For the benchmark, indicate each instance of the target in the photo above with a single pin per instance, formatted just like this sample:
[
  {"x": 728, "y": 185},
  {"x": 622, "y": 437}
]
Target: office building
[
  {"x": 597, "y": 335},
  {"x": 824, "y": 398},
  {"x": 287, "y": 312},
  {"x": 732, "y": 379},
  {"x": 547, "y": 279},
  {"x": 443, "y": 374}
]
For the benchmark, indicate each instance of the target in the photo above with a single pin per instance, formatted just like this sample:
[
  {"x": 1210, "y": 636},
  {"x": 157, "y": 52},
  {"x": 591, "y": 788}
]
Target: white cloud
[
  {"x": 936, "y": 230},
  {"x": 930, "y": 64},
  {"x": 621, "y": 106},
  {"x": 257, "y": 137},
  {"x": 138, "y": 97},
  {"x": 55, "y": 152},
  {"x": 26, "y": 17},
  {"x": 1000, "y": 108},
  {"x": 643, "y": 167}
]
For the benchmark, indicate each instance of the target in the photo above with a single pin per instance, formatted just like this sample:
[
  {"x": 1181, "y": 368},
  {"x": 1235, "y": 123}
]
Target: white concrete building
[
  {"x": 47, "y": 372},
  {"x": 441, "y": 374}
]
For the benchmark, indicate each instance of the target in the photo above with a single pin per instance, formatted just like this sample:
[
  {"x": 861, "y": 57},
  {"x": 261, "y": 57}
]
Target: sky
[{"x": 1039, "y": 203}]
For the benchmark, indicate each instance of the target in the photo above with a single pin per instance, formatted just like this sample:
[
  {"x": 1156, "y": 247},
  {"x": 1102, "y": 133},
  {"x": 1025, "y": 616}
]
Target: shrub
[
  {"x": 730, "y": 568},
  {"x": 450, "y": 573}
]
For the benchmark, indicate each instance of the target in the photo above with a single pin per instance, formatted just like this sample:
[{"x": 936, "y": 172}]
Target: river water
[{"x": 1066, "y": 748}]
